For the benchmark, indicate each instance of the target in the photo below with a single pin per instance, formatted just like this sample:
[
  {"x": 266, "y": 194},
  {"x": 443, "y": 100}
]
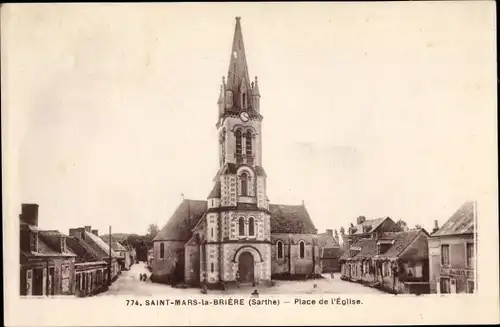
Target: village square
[{"x": 236, "y": 241}]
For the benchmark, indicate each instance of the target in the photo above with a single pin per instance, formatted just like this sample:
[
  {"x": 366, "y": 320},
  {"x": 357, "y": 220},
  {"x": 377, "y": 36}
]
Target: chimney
[
  {"x": 329, "y": 232},
  {"x": 95, "y": 232},
  {"x": 29, "y": 213},
  {"x": 436, "y": 227},
  {"x": 88, "y": 229},
  {"x": 361, "y": 219}
]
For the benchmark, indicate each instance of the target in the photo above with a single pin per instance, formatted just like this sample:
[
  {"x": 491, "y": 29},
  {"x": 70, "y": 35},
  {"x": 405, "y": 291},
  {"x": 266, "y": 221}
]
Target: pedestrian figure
[
  {"x": 332, "y": 275},
  {"x": 140, "y": 277},
  {"x": 204, "y": 289},
  {"x": 255, "y": 293},
  {"x": 315, "y": 285},
  {"x": 237, "y": 278}
]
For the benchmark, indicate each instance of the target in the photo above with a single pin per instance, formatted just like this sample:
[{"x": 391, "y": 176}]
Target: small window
[
  {"x": 470, "y": 286},
  {"x": 212, "y": 232},
  {"x": 470, "y": 254},
  {"x": 212, "y": 267},
  {"x": 162, "y": 250},
  {"x": 251, "y": 227},
  {"x": 302, "y": 249},
  {"x": 445, "y": 254},
  {"x": 241, "y": 226},
  {"x": 279, "y": 249}
]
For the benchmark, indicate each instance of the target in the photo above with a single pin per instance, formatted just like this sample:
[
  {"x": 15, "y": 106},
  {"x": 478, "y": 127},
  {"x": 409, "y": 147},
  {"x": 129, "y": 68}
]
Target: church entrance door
[{"x": 246, "y": 267}]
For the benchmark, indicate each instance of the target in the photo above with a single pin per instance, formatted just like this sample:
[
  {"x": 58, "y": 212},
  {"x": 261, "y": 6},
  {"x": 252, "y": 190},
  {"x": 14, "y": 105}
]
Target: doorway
[
  {"x": 37, "y": 281},
  {"x": 246, "y": 267}
]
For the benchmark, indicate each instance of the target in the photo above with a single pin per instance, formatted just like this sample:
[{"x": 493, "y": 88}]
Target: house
[
  {"x": 236, "y": 231},
  {"x": 452, "y": 253},
  {"x": 91, "y": 273},
  {"x": 46, "y": 264},
  {"x": 123, "y": 255},
  {"x": 394, "y": 261},
  {"x": 371, "y": 228},
  {"x": 330, "y": 251},
  {"x": 105, "y": 253}
]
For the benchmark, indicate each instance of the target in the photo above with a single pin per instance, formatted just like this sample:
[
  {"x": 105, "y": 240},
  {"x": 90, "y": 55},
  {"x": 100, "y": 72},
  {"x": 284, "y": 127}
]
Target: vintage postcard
[{"x": 250, "y": 163}]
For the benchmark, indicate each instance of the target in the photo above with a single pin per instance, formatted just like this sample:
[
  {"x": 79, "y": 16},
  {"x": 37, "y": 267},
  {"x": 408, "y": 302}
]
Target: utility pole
[{"x": 109, "y": 264}]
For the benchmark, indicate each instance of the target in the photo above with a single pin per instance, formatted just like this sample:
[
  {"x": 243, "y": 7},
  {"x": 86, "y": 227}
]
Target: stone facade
[{"x": 236, "y": 229}]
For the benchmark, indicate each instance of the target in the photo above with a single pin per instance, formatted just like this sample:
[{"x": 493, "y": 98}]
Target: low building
[
  {"x": 46, "y": 264},
  {"x": 452, "y": 253},
  {"x": 103, "y": 250},
  {"x": 368, "y": 228},
  {"x": 91, "y": 273},
  {"x": 123, "y": 255},
  {"x": 395, "y": 262},
  {"x": 330, "y": 251}
]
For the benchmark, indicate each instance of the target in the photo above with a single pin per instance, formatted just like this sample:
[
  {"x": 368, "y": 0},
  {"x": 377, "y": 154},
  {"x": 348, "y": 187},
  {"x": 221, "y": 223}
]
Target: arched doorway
[{"x": 246, "y": 267}]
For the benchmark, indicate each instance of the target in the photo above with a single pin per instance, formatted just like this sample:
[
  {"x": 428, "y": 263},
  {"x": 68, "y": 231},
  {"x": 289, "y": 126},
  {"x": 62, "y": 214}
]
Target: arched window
[
  {"x": 238, "y": 143},
  {"x": 244, "y": 184},
  {"x": 248, "y": 142},
  {"x": 302, "y": 249},
  {"x": 241, "y": 226},
  {"x": 162, "y": 250},
  {"x": 279, "y": 249},
  {"x": 251, "y": 226}
]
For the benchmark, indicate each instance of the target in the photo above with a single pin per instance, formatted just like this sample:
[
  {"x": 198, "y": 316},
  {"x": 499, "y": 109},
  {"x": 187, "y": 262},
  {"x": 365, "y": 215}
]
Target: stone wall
[
  {"x": 292, "y": 263},
  {"x": 174, "y": 252}
]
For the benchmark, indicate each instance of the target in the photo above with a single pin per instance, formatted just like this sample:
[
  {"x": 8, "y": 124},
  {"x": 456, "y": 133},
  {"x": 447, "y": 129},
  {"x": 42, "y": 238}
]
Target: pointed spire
[
  {"x": 238, "y": 69},
  {"x": 255, "y": 87}
]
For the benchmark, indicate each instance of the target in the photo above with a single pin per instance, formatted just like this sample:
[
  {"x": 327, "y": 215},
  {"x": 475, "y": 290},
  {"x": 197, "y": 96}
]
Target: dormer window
[{"x": 63, "y": 244}]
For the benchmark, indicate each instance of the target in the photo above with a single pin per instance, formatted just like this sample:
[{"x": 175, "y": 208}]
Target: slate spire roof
[{"x": 238, "y": 68}]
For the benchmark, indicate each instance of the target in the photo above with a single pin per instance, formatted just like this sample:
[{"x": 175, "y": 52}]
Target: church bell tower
[{"x": 238, "y": 204}]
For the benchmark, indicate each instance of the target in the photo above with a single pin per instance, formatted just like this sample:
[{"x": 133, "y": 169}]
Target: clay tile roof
[
  {"x": 290, "y": 219},
  {"x": 332, "y": 253},
  {"x": 99, "y": 245},
  {"x": 462, "y": 221},
  {"x": 326, "y": 240},
  {"x": 215, "y": 193},
  {"x": 183, "y": 220},
  {"x": 400, "y": 241},
  {"x": 82, "y": 250},
  {"x": 373, "y": 223}
]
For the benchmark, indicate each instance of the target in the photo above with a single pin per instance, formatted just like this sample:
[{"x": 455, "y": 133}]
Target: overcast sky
[{"x": 368, "y": 109}]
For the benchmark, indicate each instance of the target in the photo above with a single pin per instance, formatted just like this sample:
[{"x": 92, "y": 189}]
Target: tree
[
  {"x": 417, "y": 226},
  {"x": 152, "y": 232},
  {"x": 402, "y": 224}
]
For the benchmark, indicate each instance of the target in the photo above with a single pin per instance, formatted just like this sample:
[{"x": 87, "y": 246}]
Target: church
[{"x": 236, "y": 231}]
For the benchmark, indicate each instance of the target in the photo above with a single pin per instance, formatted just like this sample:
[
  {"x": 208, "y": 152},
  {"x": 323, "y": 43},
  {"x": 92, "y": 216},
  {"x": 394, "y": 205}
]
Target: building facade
[
  {"x": 46, "y": 264},
  {"x": 393, "y": 261},
  {"x": 236, "y": 231},
  {"x": 452, "y": 253}
]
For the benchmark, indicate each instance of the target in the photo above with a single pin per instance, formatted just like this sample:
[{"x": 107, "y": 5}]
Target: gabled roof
[
  {"x": 291, "y": 219},
  {"x": 116, "y": 246},
  {"x": 372, "y": 223},
  {"x": 84, "y": 251},
  {"x": 99, "y": 245},
  {"x": 52, "y": 239},
  {"x": 215, "y": 193},
  {"x": 401, "y": 242},
  {"x": 183, "y": 220},
  {"x": 327, "y": 240},
  {"x": 462, "y": 221},
  {"x": 332, "y": 253}
]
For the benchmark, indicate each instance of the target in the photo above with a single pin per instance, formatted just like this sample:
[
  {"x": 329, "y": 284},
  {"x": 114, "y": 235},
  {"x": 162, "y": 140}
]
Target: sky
[{"x": 368, "y": 109}]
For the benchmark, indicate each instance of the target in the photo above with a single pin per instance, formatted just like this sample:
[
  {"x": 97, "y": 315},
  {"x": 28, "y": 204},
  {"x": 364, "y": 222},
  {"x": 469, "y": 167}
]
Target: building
[
  {"x": 371, "y": 228},
  {"x": 237, "y": 230},
  {"x": 452, "y": 253},
  {"x": 393, "y": 261},
  {"x": 330, "y": 251},
  {"x": 91, "y": 273},
  {"x": 99, "y": 246},
  {"x": 123, "y": 253},
  {"x": 46, "y": 264}
]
